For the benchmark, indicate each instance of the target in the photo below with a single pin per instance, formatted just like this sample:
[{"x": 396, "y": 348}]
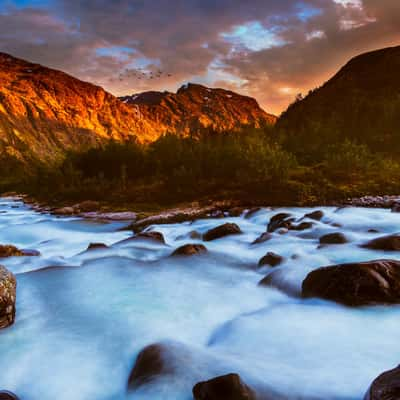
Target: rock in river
[
  {"x": 6, "y": 395},
  {"x": 271, "y": 259},
  {"x": 150, "y": 363},
  {"x": 386, "y": 386},
  {"x": 8, "y": 286},
  {"x": 281, "y": 220},
  {"x": 356, "y": 284},
  {"x": 190, "y": 249},
  {"x": 221, "y": 231},
  {"x": 227, "y": 387},
  {"x": 333, "y": 238},
  {"x": 386, "y": 243}
]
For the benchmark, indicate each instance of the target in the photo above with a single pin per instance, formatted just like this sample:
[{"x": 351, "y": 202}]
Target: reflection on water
[{"x": 82, "y": 317}]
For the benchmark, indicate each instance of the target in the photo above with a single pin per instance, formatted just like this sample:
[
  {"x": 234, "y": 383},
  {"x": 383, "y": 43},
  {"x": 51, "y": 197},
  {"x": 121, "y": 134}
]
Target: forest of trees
[{"x": 254, "y": 166}]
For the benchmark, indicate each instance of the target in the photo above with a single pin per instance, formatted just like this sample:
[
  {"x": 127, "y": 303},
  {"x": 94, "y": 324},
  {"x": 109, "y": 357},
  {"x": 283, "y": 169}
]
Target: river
[{"x": 83, "y": 316}]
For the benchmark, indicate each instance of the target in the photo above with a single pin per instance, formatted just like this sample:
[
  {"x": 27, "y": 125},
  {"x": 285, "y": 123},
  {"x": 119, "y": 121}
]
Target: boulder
[
  {"x": 88, "y": 205},
  {"x": 356, "y": 284},
  {"x": 96, "y": 246},
  {"x": 271, "y": 259},
  {"x": 8, "y": 286},
  {"x": 281, "y": 220},
  {"x": 150, "y": 363},
  {"x": 316, "y": 215},
  {"x": 6, "y": 395},
  {"x": 226, "y": 387},
  {"x": 252, "y": 212},
  {"x": 386, "y": 386},
  {"x": 386, "y": 243},
  {"x": 302, "y": 226},
  {"x": 221, "y": 231},
  {"x": 333, "y": 238},
  {"x": 189, "y": 250},
  {"x": 9, "y": 250},
  {"x": 153, "y": 235},
  {"x": 65, "y": 211},
  {"x": 264, "y": 237}
]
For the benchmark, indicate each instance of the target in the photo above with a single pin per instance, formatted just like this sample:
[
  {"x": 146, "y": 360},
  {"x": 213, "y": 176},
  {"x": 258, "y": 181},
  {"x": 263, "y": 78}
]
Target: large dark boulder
[
  {"x": 271, "y": 259},
  {"x": 8, "y": 250},
  {"x": 150, "y": 363},
  {"x": 221, "y": 231},
  {"x": 227, "y": 387},
  {"x": 8, "y": 287},
  {"x": 190, "y": 250},
  {"x": 281, "y": 220},
  {"x": 386, "y": 243},
  {"x": 333, "y": 238},
  {"x": 356, "y": 284},
  {"x": 386, "y": 386},
  {"x": 6, "y": 395}
]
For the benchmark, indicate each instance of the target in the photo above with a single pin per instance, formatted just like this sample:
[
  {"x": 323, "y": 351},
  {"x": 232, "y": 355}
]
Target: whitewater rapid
[{"x": 83, "y": 316}]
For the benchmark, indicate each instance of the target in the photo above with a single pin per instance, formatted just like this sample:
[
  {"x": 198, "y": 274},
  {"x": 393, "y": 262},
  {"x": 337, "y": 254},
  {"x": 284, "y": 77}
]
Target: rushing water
[{"x": 82, "y": 317}]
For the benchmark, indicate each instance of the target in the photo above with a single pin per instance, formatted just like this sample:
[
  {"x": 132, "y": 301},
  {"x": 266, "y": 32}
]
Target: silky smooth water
[{"x": 82, "y": 317}]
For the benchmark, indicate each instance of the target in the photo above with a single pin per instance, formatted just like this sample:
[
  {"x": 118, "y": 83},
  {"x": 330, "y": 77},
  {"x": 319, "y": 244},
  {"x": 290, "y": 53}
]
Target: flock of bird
[{"x": 140, "y": 74}]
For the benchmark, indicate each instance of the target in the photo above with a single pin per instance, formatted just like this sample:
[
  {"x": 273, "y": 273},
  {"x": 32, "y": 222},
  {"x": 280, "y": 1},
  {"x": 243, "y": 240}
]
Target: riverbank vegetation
[{"x": 252, "y": 167}]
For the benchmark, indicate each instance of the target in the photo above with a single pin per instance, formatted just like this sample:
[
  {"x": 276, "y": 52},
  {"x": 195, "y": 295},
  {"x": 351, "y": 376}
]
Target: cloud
[{"x": 270, "y": 49}]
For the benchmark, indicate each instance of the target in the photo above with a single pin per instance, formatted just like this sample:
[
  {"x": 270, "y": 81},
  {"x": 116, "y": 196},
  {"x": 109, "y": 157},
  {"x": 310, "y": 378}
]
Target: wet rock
[
  {"x": 86, "y": 206},
  {"x": 189, "y": 250},
  {"x": 264, "y": 237},
  {"x": 387, "y": 243},
  {"x": 302, "y": 226},
  {"x": 6, "y": 395},
  {"x": 316, "y": 215},
  {"x": 97, "y": 246},
  {"x": 252, "y": 212},
  {"x": 8, "y": 286},
  {"x": 153, "y": 235},
  {"x": 281, "y": 220},
  {"x": 236, "y": 211},
  {"x": 271, "y": 259},
  {"x": 356, "y": 284},
  {"x": 9, "y": 250},
  {"x": 65, "y": 211},
  {"x": 194, "y": 235},
  {"x": 150, "y": 363},
  {"x": 226, "y": 387},
  {"x": 221, "y": 231},
  {"x": 333, "y": 238},
  {"x": 396, "y": 207},
  {"x": 385, "y": 387}
]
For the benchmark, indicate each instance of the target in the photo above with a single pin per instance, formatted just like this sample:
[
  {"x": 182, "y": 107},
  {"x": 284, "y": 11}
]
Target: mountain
[
  {"x": 195, "y": 108},
  {"x": 44, "y": 113},
  {"x": 360, "y": 103}
]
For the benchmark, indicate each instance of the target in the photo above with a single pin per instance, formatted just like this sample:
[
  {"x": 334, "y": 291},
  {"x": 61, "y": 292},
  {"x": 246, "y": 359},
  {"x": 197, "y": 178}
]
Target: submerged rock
[
  {"x": 333, "y": 238},
  {"x": 385, "y": 387},
  {"x": 150, "y": 363},
  {"x": 271, "y": 259},
  {"x": 153, "y": 235},
  {"x": 221, "y": 231},
  {"x": 387, "y": 243},
  {"x": 6, "y": 395},
  {"x": 356, "y": 284},
  {"x": 226, "y": 387},
  {"x": 8, "y": 286},
  {"x": 281, "y": 220},
  {"x": 278, "y": 280},
  {"x": 302, "y": 226},
  {"x": 264, "y": 237},
  {"x": 189, "y": 250},
  {"x": 96, "y": 246}
]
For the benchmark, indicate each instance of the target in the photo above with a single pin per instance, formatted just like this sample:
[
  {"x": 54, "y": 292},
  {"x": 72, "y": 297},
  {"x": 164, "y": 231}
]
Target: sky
[{"x": 268, "y": 49}]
